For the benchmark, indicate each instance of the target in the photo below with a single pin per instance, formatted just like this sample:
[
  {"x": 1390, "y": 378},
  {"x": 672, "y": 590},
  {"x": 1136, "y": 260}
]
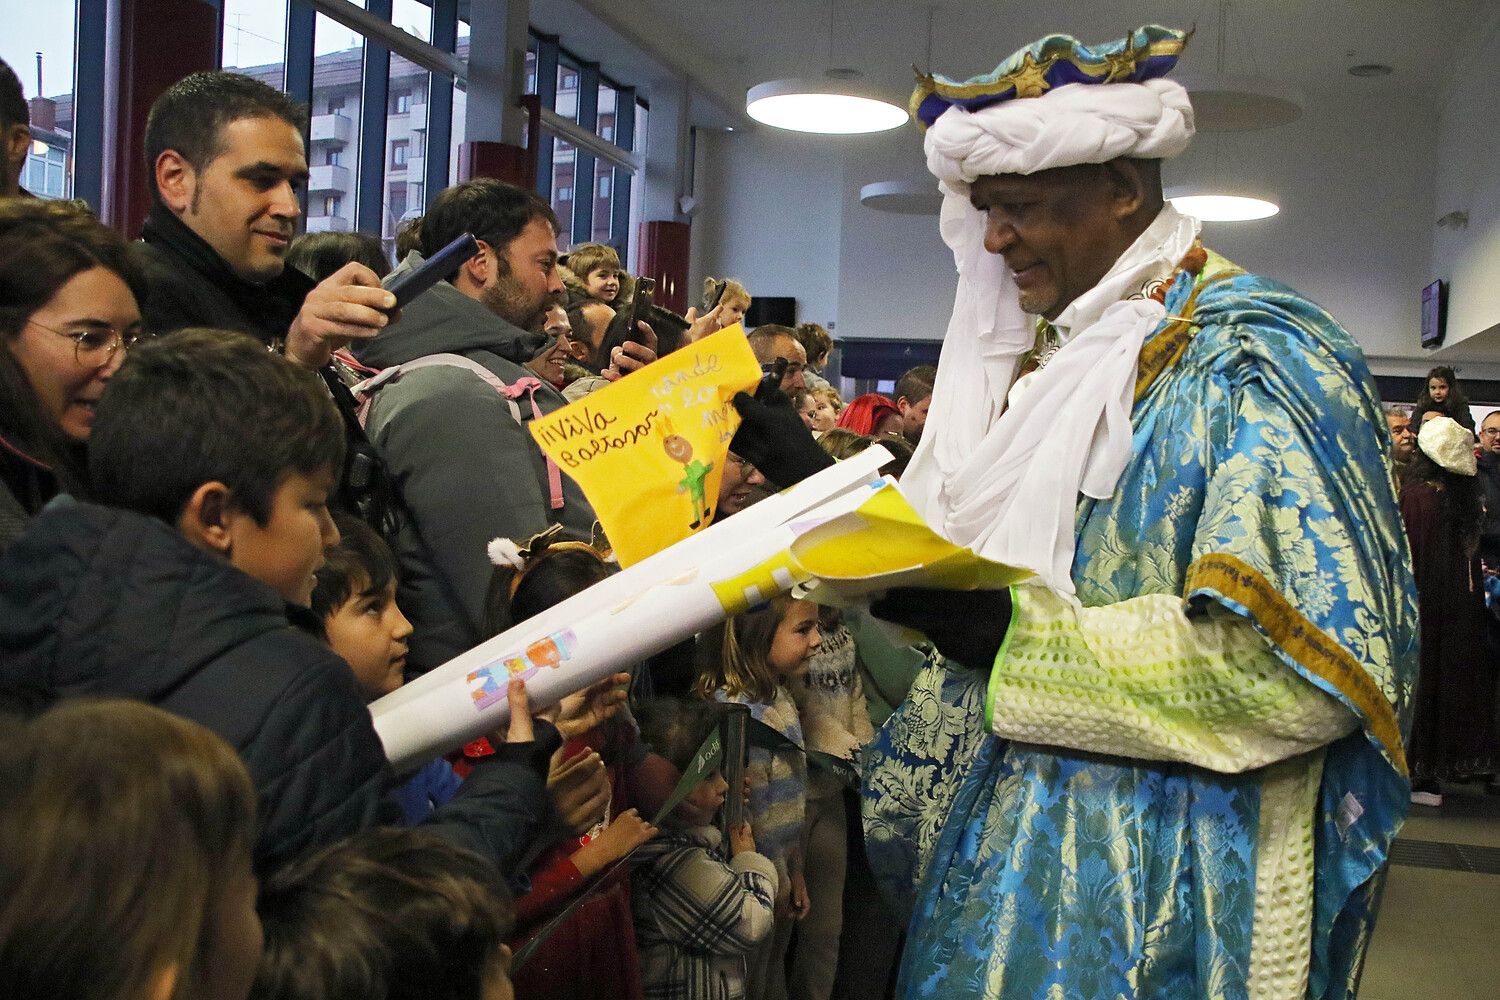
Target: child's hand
[
  {"x": 625, "y": 834},
  {"x": 580, "y": 790},
  {"x": 521, "y": 729},
  {"x": 801, "y": 903},
  {"x": 593, "y": 705},
  {"x": 741, "y": 840}
]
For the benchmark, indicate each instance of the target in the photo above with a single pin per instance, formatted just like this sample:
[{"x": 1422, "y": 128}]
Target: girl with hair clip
[
  {"x": 763, "y": 654},
  {"x": 125, "y": 872},
  {"x": 598, "y": 776}
]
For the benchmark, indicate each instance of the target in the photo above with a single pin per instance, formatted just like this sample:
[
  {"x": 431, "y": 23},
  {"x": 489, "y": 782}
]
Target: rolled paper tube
[{"x": 659, "y": 602}]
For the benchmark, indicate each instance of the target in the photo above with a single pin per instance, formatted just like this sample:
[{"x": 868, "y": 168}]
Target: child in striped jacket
[{"x": 699, "y": 909}]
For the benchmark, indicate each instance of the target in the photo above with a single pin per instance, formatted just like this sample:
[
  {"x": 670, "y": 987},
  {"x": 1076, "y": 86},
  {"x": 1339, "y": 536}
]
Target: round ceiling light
[
  {"x": 902, "y": 197},
  {"x": 1227, "y": 103},
  {"x": 829, "y": 107},
  {"x": 1212, "y": 207}
]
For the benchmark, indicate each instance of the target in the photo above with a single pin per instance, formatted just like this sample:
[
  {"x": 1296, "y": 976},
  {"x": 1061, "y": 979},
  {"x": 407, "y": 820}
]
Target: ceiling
[{"x": 723, "y": 47}]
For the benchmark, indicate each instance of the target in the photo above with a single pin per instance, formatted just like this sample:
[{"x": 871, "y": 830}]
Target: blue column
[
  {"x": 373, "y": 100},
  {"x": 619, "y": 224},
  {"x": 440, "y": 103},
  {"x": 583, "y": 163}
]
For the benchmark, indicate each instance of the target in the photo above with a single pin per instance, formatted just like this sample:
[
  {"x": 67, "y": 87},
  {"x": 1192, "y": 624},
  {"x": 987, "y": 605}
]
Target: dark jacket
[
  {"x": 467, "y": 471},
  {"x": 25, "y": 487},
  {"x": 1489, "y": 535},
  {"x": 188, "y": 284},
  {"x": 107, "y": 602}
]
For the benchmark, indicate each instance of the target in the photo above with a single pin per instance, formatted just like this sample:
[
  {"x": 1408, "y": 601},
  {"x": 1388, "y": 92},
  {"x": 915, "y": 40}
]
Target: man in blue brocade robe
[{"x": 1171, "y": 766}]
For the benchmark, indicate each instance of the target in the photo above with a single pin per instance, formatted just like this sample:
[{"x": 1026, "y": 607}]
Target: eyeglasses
[
  {"x": 94, "y": 347},
  {"x": 792, "y": 367},
  {"x": 1489, "y": 432},
  {"x": 746, "y": 469}
]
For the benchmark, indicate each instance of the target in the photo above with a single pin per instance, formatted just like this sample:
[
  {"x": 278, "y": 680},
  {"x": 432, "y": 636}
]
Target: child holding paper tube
[
  {"x": 492, "y": 808},
  {"x": 764, "y": 652},
  {"x": 595, "y": 780}
]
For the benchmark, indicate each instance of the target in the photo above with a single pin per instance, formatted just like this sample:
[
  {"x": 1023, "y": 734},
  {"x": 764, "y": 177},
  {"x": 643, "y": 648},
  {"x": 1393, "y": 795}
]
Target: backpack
[{"x": 364, "y": 394}]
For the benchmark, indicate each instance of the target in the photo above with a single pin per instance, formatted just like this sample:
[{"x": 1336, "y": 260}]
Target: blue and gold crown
[{"x": 1145, "y": 54}]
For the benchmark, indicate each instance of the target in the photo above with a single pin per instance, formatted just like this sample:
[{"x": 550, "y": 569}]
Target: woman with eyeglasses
[{"x": 68, "y": 310}]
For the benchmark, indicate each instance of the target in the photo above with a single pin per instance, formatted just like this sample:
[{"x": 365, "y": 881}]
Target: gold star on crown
[{"x": 1031, "y": 79}]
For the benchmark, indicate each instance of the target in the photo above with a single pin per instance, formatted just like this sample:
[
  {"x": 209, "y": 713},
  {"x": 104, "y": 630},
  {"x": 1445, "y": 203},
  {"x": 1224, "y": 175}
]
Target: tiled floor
[{"x": 1438, "y": 936}]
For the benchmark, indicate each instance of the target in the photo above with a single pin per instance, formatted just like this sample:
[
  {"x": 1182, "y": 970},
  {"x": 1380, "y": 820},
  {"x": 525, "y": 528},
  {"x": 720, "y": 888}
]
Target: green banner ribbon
[{"x": 768, "y": 738}]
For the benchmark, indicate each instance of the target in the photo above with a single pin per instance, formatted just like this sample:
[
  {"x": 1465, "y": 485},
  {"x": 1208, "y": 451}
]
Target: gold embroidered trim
[
  {"x": 1303, "y": 641},
  {"x": 1166, "y": 348}
]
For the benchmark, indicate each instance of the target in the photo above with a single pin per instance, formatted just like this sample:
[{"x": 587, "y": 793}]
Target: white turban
[
  {"x": 1002, "y": 473},
  {"x": 1073, "y": 124}
]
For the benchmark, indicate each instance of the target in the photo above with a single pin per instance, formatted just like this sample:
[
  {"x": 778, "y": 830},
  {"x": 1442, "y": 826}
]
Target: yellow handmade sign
[{"x": 648, "y": 451}]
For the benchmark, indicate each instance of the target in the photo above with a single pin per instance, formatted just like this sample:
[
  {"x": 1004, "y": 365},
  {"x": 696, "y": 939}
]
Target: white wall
[
  {"x": 1467, "y": 178},
  {"x": 770, "y": 215}
]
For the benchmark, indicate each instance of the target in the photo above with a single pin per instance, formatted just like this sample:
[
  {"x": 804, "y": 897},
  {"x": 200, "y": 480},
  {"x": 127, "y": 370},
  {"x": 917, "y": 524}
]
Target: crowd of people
[
  {"x": 243, "y": 495},
  {"x": 1449, "y": 486},
  {"x": 223, "y": 536}
]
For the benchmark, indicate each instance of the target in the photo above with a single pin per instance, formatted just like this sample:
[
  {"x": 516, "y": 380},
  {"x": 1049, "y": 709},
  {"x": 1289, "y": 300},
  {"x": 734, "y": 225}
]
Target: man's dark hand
[
  {"x": 773, "y": 438},
  {"x": 966, "y": 626}
]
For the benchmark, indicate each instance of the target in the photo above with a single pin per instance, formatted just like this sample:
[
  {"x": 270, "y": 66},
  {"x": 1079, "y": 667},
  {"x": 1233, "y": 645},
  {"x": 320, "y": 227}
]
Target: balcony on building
[
  {"x": 416, "y": 118},
  {"x": 330, "y": 224},
  {"x": 328, "y": 179},
  {"x": 334, "y": 129}
]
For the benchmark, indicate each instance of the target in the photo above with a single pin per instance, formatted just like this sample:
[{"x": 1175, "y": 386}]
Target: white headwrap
[
  {"x": 1449, "y": 444},
  {"x": 1005, "y": 480}
]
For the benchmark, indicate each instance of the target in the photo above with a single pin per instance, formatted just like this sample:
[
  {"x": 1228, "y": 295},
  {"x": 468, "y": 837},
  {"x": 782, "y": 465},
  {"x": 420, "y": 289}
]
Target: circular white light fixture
[
  {"x": 1224, "y": 102},
  {"x": 902, "y": 197},
  {"x": 1211, "y": 207},
  {"x": 828, "y": 107}
]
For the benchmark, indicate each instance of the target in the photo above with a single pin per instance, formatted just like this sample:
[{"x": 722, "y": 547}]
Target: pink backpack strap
[
  {"x": 524, "y": 386},
  {"x": 529, "y": 385}
]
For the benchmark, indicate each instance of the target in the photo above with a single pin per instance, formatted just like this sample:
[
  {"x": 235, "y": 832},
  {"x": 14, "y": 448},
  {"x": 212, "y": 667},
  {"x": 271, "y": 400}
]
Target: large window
[
  {"x": 334, "y": 136},
  {"x": 255, "y": 39},
  {"x": 593, "y": 196},
  {"x": 37, "y": 42},
  {"x": 369, "y": 162}
]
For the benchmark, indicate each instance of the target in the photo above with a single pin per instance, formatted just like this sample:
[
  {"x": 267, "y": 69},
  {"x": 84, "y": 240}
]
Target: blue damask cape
[{"x": 1258, "y": 487}]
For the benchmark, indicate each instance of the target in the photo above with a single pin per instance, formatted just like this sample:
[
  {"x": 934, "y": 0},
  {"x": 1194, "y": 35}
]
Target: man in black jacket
[
  {"x": 191, "y": 592},
  {"x": 227, "y": 162},
  {"x": 226, "y": 159},
  {"x": 1489, "y": 478}
]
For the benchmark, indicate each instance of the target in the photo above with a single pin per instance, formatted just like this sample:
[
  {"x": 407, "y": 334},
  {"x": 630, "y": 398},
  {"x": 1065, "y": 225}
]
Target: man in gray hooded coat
[{"x": 452, "y": 428}]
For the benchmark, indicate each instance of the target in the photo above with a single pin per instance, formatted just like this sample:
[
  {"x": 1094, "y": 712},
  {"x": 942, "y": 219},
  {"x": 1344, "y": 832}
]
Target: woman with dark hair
[
  {"x": 1452, "y": 736},
  {"x": 1443, "y": 394},
  {"x": 68, "y": 310}
]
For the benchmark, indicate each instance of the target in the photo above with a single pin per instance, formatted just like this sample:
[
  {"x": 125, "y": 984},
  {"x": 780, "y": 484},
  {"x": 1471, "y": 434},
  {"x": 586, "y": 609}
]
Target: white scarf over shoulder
[{"x": 1003, "y": 479}]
